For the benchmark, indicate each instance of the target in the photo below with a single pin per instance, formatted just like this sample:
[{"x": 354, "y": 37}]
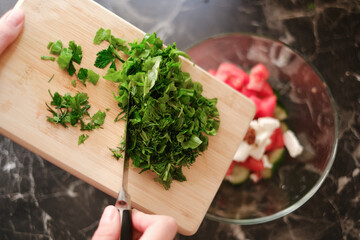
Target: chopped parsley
[
  {"x": 51, "y": 78},
  {"x": 48, "y": 58},
  {"x": 89, "y": 75},
  {"x": 82, "y": 138},
  {"x": 55, "y": 48},
  {"x": 168, "y": 117},
  {"x": 67, "y": 56},
  {"x": 93, "y": 77},
  {"x": 105, "y": 35},
  {"x": 72, "y": 110},
  {"x": 117, "y": 152}
]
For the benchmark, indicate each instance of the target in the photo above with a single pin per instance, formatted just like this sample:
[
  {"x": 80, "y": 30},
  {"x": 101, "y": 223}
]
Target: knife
[{"x": 123, "y": 203}]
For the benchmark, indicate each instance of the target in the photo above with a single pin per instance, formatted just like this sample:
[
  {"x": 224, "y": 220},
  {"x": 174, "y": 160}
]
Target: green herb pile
[
  {"x": 168, "y": 117},
  {"x": 72, "y": 110},
  {"x": 68, "y": 109},
  {"x": 66, "y": 59}
]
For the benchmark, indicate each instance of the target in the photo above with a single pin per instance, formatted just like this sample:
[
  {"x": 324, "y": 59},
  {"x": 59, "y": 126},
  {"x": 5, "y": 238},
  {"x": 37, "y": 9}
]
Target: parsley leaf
[
  {"x": 65, "y": 58},
  {"x": 51, "y": 78},
  {"x": 93, "y": 77},
  {"x": 71, "y": 69},
  {"x": 117, "y": 43},
  {"x": 104, "y": 57},
  {"x": 77, "y": 52},
  {"x": 88, "y": 74},
  {"x": 49, "y": 45},
  {"x": 82, "y": 138},
  {"x": 117, "y": 152},
  {"x": 82, "y": 75},
  {"x": 55, "y": 48},
  {"x": 102, "y": 35},
  {"x": 48, "y": 58},
  {"x": 113, "y": 65}
]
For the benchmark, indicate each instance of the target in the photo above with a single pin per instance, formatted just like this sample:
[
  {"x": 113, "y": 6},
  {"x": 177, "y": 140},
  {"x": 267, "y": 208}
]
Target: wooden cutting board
[{"x": 24, "y": 90}]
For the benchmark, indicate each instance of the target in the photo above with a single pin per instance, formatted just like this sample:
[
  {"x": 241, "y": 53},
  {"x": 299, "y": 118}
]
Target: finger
[
  {"x": 109, "y": 225},
  {"x": 154, "y": 226},
  {"x": 11, "y": 25}
]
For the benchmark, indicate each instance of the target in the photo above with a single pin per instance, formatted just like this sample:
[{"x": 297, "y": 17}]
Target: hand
[
  {"x": 147, "y": 227},
  {"x": 11, "y": 24}
]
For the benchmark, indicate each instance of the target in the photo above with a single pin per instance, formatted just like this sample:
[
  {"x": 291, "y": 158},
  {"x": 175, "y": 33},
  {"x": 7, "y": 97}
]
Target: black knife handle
[{"x": 126, "y": 225}]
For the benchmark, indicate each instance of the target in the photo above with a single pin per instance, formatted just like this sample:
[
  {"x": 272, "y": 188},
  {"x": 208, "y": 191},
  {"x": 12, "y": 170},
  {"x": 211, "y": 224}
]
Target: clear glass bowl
[{"x": 311, "y": 115}]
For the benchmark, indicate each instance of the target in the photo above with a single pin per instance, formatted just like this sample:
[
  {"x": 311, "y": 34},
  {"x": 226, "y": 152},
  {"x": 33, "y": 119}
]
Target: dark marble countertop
[{"x": 40, "y": 201}]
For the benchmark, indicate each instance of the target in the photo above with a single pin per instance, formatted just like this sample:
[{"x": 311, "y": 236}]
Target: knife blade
[{"x": 123, "y": 202}]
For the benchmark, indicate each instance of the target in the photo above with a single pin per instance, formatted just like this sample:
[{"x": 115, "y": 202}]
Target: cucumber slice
[
  {"x": 284, "y": 127},
  {"x": 239, "y": 175},
  {"x": 280, "y": 113},
  {"x": 275, "y": 158}
]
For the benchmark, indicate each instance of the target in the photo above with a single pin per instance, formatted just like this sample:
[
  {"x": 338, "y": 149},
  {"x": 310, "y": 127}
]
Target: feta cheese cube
[{"x": 292, "y": 144}]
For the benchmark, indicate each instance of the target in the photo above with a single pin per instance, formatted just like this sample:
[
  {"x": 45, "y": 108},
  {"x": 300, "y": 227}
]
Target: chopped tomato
[
  {"x": 266, "y": 90},
  {"x": 257, "y": 102},
  {"x": 247, "y": 92},
  {"x": 237, "y": 82},
  {"x": 267, "y": 107},
  {"x": 277, "y": 140},
  {"x": 258, "y": 76},
  {"x": 212, "y": 72},
  {"x": 232, "y": 75},
  {"x": 253, "y": 164},
  {"x": 230, "y": 169}
]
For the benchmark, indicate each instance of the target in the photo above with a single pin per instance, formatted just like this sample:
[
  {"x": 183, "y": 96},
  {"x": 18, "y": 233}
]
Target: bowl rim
[{"x": 328, "y": 167}]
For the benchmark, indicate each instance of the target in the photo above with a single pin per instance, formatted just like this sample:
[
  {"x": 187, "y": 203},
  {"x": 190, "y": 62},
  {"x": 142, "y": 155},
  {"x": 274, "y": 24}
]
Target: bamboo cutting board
[{"x": 24, "y": 91}]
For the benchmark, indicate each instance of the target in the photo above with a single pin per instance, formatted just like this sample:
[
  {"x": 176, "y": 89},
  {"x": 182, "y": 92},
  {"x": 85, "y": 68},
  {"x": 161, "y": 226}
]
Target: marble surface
[{"x": 40, "y": 201}]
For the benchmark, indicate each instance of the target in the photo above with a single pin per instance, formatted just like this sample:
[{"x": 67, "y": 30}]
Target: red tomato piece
[
  {"x": 221, "y": 76},
  {"x": 212, "y": 72},
  {"x": 266, "y": 90},
  {"x": 248, "y": 92},
  {"x": 253, "y": 164},
  {"x": 258, "y": 76},
  {"x": 267, "y": 107},
  {"x": 237, "y": 82},
  {"x": 257, "y": 102},
  {"x": 277, "y": 140},
  {"x": 260, "y": 71},
  {"x": 230, "y": 169},
  {"x": 232, "y": 75}
]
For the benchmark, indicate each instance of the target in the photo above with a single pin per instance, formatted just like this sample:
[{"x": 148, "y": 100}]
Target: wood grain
[{"x": 24, "y": 91}]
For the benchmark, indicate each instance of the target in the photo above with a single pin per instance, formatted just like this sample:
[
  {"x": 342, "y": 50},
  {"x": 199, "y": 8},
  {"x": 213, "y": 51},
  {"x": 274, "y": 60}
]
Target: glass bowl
[{"x": 311, "y": 115}]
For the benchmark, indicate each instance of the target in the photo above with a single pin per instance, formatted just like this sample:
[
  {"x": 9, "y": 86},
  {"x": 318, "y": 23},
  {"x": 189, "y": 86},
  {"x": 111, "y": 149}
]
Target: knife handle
[{"x": 126, "y": 224}]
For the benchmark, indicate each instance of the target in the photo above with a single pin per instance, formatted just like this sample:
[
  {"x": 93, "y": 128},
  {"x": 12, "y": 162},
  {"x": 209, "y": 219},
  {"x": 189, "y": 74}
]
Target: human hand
[
  {"x": 11, "y": 24},
  {"x": 146, "y": 226}
]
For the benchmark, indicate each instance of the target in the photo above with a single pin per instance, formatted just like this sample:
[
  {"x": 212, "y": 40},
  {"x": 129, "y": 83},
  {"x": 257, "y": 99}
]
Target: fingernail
[
  {"x": 109, "y": 214},
  {"x": 15, "y": 17}
]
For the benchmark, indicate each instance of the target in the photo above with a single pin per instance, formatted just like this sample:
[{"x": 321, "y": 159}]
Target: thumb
[
  {"x": 10, "y": 26},
  {"x": 109, "y": 225}
]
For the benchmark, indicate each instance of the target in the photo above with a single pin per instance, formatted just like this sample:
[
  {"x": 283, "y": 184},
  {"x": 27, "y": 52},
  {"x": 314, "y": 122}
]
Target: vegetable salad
[{"x": 263, "y": 147}]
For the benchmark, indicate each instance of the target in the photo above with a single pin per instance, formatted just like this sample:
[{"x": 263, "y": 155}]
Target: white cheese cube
[
  {"x": 268, "y": 123},
  {"x": 242, "y": 152},
  {"x": 266, "y": 162},
  {"x": 292, "y": 144},
  {"x": 258, "y": 151}
]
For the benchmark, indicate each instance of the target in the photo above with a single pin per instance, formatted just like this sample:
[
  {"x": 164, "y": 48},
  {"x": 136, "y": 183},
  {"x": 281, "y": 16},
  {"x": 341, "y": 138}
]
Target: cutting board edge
[{"x": 54, "y": 161}]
